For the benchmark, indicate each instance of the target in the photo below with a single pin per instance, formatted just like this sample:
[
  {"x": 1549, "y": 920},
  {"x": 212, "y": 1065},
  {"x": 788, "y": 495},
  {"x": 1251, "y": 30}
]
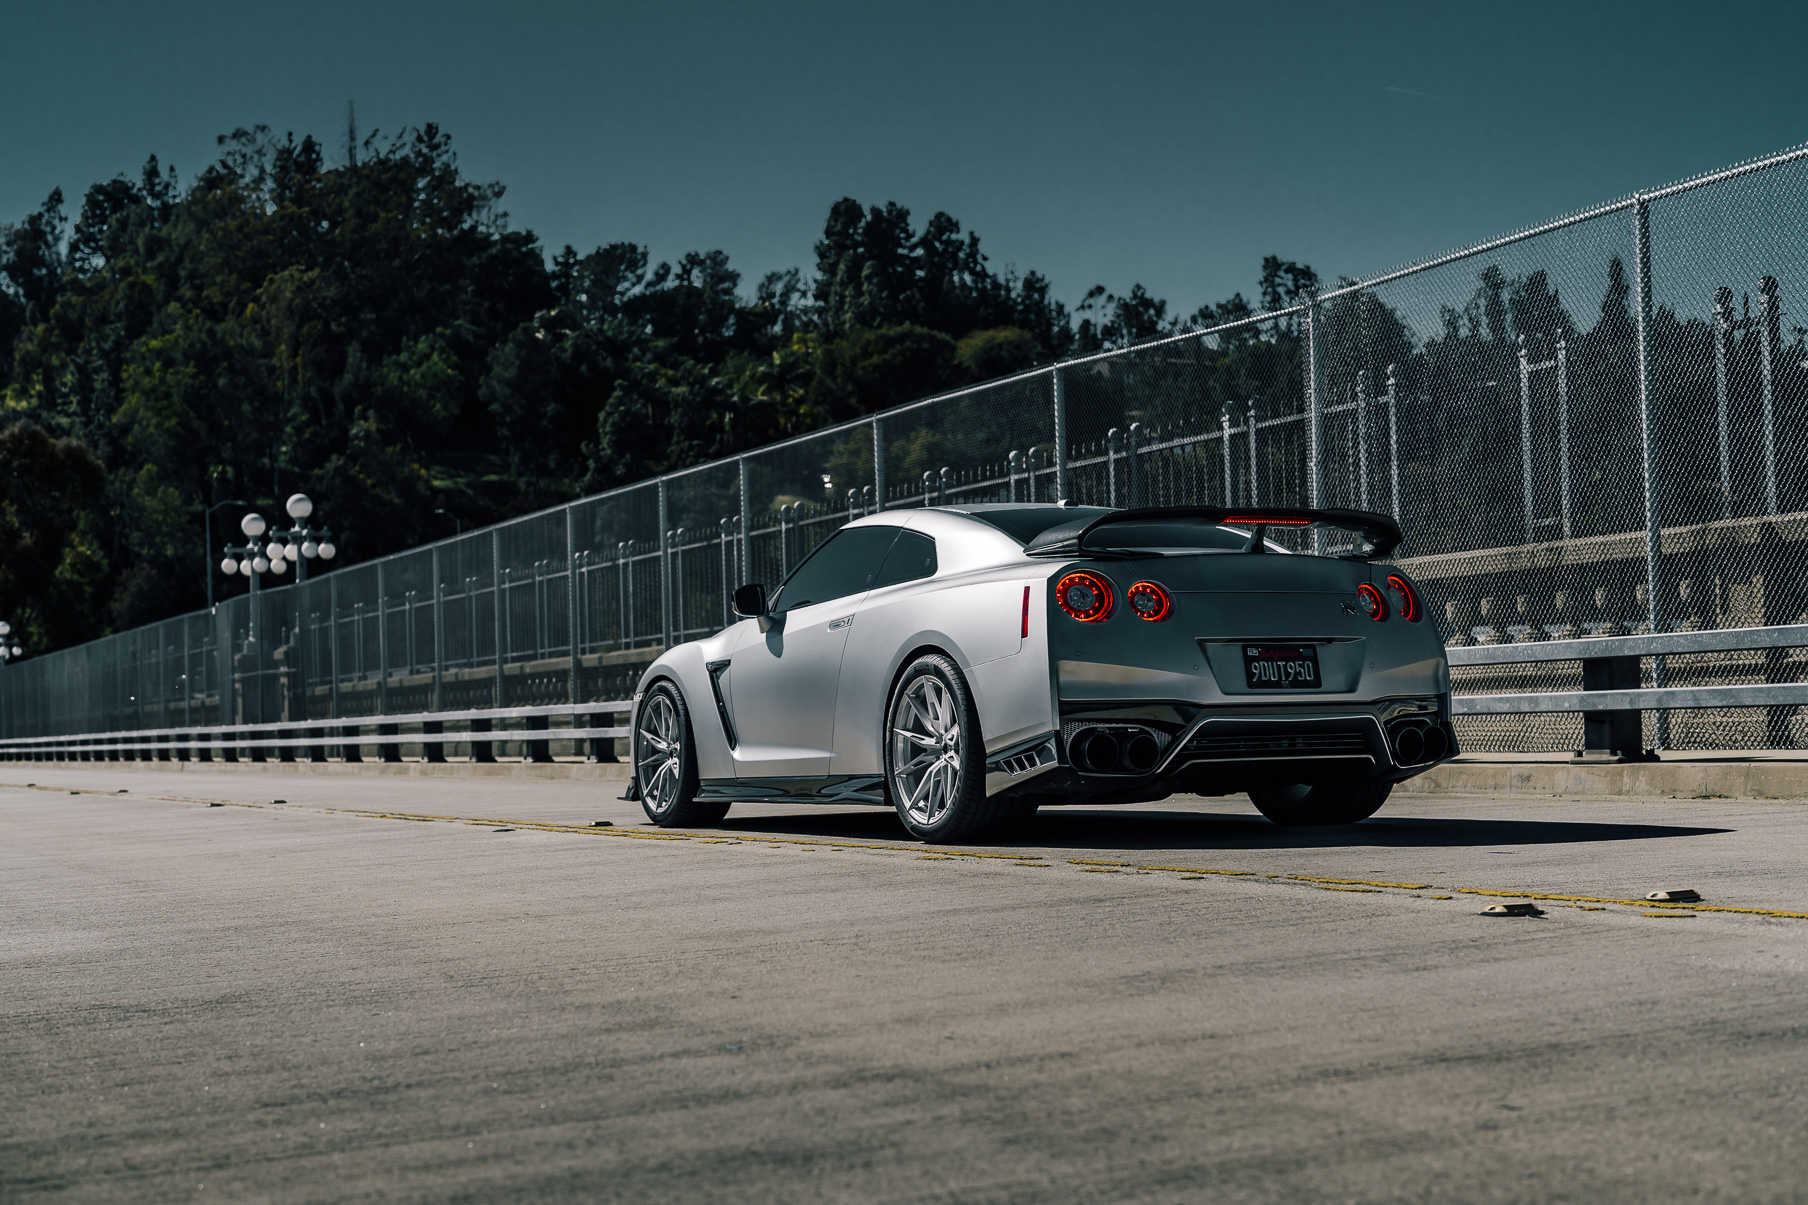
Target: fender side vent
[{"x": 1020, "y": 764}]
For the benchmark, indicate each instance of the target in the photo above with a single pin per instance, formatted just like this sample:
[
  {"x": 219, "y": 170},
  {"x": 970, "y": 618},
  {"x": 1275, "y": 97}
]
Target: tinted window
[
  {"x": 843, "y": 564},
  {"x": 912, "y": 557},
  {"x": 1025, "y": 524}
]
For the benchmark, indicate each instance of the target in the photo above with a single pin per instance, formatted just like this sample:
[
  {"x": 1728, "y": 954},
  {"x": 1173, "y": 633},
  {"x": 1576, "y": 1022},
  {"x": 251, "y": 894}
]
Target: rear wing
[{"x": 1377, "y": 534}]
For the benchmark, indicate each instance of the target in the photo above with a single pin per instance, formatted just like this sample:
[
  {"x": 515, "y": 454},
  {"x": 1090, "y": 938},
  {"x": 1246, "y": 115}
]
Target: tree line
[{"x": 371, "y": 330}]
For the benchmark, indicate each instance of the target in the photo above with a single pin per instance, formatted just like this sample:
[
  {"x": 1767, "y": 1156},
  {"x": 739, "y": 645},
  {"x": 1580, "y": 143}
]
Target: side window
[
  {"x": 843, "y": 564},
  {"x": 912, "y": 557}
]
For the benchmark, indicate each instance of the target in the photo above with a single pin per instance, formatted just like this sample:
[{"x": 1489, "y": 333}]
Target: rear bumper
[{"x": 1218, "y": 753}]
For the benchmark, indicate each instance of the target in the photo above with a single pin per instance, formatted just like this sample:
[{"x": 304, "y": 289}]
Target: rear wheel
[
  {"x": 665, "y": 763},
  {"x": 935, "y": 765},
  {"x": 1316, "y": 803}
]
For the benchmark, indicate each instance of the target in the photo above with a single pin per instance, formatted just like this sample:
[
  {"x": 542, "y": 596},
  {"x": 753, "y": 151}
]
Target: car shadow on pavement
[{"x": 1088, "y": 829}]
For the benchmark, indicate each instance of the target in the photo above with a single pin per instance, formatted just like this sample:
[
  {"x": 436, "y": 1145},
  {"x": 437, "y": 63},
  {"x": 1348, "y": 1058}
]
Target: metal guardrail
[
  {"x": 1611, "y": 702},
  {"x": 316, "y": 737},
  {"x": 1614, "y": 695}
]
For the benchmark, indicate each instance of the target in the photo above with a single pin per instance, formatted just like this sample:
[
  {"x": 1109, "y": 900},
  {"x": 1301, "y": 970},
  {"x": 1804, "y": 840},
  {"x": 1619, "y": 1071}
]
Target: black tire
[
  {"x": 1320, "y": 803},
  {"x": 931, "y": 715},
  {"x": 667, "y": 776}
]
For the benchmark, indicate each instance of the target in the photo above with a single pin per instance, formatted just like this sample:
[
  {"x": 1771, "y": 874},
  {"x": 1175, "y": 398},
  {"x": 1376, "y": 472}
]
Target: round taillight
[
  {"x": 1149, "y": 601},
  {"x": 1404, "y": 600},
  {"x": 1373, "y": 605},
  {"x": 1085, "y": 596}
]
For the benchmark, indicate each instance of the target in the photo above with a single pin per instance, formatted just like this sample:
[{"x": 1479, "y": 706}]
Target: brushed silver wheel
[
  {"x": 659, "y": 753},
  {"x": 927, "y": 750}
]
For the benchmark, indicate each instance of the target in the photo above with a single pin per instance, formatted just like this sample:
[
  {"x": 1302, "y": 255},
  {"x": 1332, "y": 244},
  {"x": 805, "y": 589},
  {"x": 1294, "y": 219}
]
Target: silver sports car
[{"x": 967, "y": 665}]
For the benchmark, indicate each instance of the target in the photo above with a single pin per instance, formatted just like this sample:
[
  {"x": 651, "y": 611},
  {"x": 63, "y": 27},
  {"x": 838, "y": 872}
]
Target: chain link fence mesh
[{"x": 1594, "y": 427}]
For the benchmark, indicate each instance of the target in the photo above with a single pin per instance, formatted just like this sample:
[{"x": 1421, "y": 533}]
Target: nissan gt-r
[{"x": 966, "y": 665}]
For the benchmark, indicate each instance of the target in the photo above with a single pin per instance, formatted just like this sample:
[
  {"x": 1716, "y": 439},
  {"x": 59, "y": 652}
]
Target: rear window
[
  {"x": 1167, "y": 535},
  {"x": 1026, "y": 523}
]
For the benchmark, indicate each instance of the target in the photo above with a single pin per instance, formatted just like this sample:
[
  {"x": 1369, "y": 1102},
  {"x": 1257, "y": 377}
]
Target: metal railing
[
  {"x": 1580, "y": 426},
  {"x": 318, "y": 740}
]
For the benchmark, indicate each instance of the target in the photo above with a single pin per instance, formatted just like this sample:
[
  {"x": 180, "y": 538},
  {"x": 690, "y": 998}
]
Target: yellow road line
[{"x": 1087, "y": 865}]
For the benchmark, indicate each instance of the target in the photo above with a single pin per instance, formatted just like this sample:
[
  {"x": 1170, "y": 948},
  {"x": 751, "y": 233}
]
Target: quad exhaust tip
[
  {"x": 1102, "y": 751},
  {"x": 1416, "y": 743}
]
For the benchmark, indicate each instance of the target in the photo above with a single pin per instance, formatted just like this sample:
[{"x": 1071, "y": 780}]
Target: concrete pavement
[{"x": 368, "y": 992}]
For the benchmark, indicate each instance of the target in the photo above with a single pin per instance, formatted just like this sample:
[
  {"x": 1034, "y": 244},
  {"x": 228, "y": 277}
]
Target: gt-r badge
[
  {"x": 846, "y": 621},
  {"x": 1349, "y": 608}
]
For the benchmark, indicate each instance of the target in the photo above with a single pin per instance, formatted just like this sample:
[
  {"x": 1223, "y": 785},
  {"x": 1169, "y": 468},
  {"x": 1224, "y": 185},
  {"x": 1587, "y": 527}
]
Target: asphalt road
[{"x": 335, "y": 998}]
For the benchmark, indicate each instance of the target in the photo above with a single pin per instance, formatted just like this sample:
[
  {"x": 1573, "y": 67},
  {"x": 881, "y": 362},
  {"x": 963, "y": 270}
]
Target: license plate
[{"x": 1281, "y": 666}]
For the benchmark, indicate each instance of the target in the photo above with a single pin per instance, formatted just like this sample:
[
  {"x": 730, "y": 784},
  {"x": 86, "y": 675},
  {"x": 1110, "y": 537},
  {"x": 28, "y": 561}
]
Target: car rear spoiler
[{"x": 1378, "y": 534}]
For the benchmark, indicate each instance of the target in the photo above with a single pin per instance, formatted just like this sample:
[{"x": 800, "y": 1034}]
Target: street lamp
[
  {"x": 266, "y": 551},
  {"x": 302, "y": 542},
  {"x": 207, "y": 524},
  {"x": 10, "y": 649}
]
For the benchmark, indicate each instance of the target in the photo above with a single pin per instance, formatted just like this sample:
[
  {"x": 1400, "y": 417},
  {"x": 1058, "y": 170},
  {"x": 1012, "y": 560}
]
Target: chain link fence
[{"x": 1591, "y": 427}]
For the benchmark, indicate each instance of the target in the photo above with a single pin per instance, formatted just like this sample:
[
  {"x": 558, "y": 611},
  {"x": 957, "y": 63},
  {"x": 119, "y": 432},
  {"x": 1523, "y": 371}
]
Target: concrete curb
[{"x": 1695, "y": 779}]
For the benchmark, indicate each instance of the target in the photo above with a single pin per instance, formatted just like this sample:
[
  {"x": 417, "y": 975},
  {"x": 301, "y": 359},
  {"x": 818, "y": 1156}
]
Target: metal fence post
[
  {"x": 1362, "y": 438},
  {"x": 878, "y": 464},
  {"x": 1641, "y": 246},
  {"x": 1563, "y": 432},
  {"x": 439, "y": 634},
  {"x": 571, "y": 597},
  {"x": 665, "y": 572},
  {"x": 496, "y": 592},
  {"x": 1723, "y": 334},
  {"x": 1224, "y": 418},
  {"x": 1393, "y": 437},
  {"x": 1769, "y": 343},
  {"x": 1525, "y": 433},
  {"x": 746, "y": 525},
  {"x": 382, "y": 639},
  {"x": 1134, "y": 464},
  {"x": 1114, "y": 447},
  {"x": 1315, "y": 418},
  {"x": 1060, "y": 435},
  {"x": 1255, "y": 495}
]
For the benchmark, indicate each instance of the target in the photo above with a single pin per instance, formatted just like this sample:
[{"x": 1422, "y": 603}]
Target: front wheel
[
  {"x": 665, "y": 763},
  {"x": 1316, "y": 803},
  {"x": 935, "y": 762}
]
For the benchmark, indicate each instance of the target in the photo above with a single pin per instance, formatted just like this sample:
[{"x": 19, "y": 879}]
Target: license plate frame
[{"x": 1281, "y": 667}]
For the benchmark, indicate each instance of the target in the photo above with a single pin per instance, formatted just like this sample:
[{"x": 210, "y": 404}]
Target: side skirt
[{"x": 859, "y": 789}]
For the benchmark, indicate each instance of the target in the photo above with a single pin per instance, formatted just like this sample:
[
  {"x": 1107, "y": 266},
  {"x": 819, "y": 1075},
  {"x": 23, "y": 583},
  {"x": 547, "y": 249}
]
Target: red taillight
[
  {"x": 1025, "y": 633},
  {"x": 1270, "y": 520},
  {"x": 1372, "y": 602},
  {"x": 1085, "y": 596},
  {"x": 1149, "y": 601},
  {"x": 1405, "y": 601}
]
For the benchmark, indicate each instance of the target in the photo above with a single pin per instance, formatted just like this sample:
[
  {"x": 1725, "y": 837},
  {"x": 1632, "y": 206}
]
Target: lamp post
[
  {"x": 207, "y": 525},
  {"x": 302, "y": 543},
  {"x": 266, "y": 551},
  {"x": 10, "y": 649}
]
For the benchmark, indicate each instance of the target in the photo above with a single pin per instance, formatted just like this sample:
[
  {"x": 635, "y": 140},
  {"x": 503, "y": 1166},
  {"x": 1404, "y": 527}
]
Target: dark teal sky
[{"x": 1174, "y": 144}]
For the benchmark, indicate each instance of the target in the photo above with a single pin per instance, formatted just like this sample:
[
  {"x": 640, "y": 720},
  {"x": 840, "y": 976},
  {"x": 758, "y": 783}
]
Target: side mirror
[{"x": 750, "y": 601}]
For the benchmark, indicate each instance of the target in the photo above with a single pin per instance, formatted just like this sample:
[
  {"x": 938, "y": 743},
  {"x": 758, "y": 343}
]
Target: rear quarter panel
[{"x": 972, "y": 610}]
